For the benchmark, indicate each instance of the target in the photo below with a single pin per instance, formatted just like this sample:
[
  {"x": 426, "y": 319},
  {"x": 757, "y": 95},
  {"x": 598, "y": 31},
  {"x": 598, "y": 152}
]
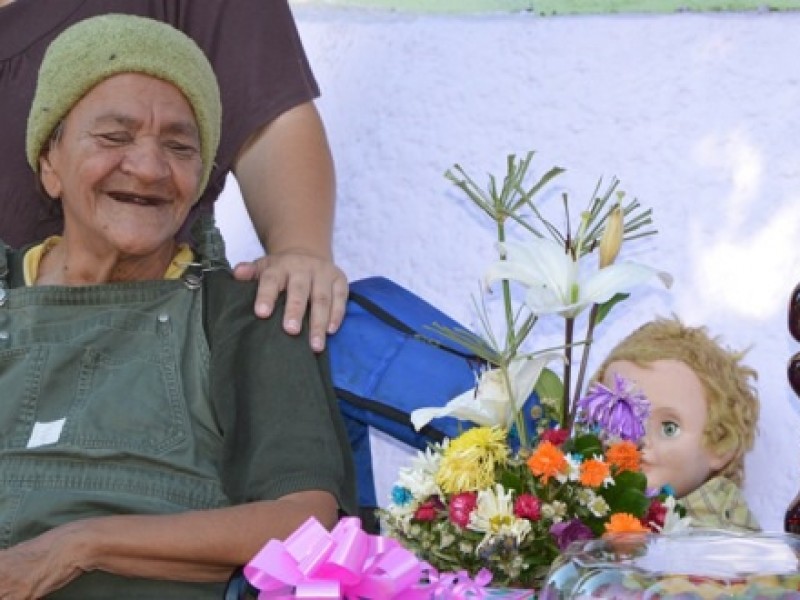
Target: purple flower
[
  {"x": 567, "y": 532},
  {"x": 620, "y": 412}
]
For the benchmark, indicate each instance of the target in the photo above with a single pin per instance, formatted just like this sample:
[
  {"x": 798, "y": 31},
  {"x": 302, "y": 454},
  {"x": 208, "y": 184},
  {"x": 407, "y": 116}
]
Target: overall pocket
[{"x": 109, "y": 382}]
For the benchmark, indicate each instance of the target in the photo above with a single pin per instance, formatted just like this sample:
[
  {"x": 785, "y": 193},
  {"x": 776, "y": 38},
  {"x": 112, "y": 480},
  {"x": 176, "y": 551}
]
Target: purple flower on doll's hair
[
  {"x": 620, "y": 412},
  {"x": 566, "y": 532}
]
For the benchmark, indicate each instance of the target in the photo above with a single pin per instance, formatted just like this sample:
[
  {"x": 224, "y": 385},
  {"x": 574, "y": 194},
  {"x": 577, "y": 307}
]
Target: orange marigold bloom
[
  {"x": 547, "y": 461},
  {"x": 594, "y": 472},
  {"x": 625, "y": 523},
  {"x": 624, "y": 455}
]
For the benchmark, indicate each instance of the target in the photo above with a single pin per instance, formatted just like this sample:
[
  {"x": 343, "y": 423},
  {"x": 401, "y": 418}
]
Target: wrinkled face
[
  {"x": 126, "y": 166},
  {"x": 673, "y": 451}
]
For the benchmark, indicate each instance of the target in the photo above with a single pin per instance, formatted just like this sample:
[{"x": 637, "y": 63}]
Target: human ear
[{"x": 51, "y": 182}]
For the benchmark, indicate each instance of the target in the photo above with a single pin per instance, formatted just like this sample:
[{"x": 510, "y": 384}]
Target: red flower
[
  {"x": 528, "y": 506},
  {"x": 461, "y": 507},
  {"x": 656, "y": 515},
  {"x": 555, "y": 436},
  {"x": 427, "y": 510}
]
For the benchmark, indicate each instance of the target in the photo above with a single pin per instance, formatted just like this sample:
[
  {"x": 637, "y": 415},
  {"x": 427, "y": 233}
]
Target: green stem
[
  {"x": 509, "y": 309},
  {"x": 569, "y": 328},
  {"x": 519, "y": 421},
  {"x": 508, "y": 357},
  {"x": 584, "y": 359}
]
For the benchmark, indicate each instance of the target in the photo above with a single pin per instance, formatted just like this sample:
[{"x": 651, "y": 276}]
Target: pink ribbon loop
[{"x": 347, "y": 562}]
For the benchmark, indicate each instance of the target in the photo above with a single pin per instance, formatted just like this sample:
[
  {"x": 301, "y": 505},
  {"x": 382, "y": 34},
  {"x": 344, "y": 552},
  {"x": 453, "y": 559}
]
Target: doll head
[{"x": 704, "y": 409}]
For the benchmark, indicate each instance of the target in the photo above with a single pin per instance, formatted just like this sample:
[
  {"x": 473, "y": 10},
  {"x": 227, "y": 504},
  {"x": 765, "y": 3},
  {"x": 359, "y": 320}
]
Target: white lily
[
  {"x": 490, "y": 403},
  {"x": 557, "y": 284}
]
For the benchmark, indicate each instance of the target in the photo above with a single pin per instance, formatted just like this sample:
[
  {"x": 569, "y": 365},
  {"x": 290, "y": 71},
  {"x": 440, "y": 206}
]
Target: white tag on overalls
[{"x": 46, "y": 433}]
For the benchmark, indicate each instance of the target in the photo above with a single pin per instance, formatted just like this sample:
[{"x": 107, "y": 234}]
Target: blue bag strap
[{"x": 379, "y": 288}]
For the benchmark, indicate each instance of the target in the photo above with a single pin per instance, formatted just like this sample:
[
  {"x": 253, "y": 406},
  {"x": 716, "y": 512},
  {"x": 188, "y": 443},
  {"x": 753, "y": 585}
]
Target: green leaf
[
  {"x": 512, "y": 481},
  {"x": 605, "y": 308},
  {"x": 550, "y": 390},
  {"x": 632, "y": 479},
  {"x": 587, "y": 445},
  {"x": 543, "y": 181},
  {"x": 628, "y": 493},
  {"x": 631, "y": 501}
]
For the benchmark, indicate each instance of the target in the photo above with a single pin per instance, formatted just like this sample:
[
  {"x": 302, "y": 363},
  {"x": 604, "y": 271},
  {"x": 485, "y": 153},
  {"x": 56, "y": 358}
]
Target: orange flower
[
  {"x": 547, "y": 461},
  {"x": 625, "y": 523},
  {"x": 594, "y": 472},
  {"x": 624, "y": 455}
]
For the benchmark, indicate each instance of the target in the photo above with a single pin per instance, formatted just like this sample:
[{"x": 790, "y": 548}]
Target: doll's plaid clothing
[{"x": 719, "y": 504}]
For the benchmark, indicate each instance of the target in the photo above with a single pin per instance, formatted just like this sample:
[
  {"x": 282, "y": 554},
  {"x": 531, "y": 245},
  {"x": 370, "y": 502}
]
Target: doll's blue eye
[{"x": 670, "y": 428}]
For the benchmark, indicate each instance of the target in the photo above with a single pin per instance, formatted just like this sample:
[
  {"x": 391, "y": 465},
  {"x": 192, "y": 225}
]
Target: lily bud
[{"x": 611, "y": 241}]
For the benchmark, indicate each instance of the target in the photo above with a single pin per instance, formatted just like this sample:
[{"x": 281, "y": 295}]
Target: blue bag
[{"x": 386, "y": 361}]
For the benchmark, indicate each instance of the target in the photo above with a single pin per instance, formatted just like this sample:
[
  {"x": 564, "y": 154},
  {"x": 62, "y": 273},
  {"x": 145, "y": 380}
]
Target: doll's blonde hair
[{"x": 731, "y": 398}]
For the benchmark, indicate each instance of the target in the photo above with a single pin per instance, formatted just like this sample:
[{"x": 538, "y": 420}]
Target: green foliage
[{"x": 587, "y": 445}]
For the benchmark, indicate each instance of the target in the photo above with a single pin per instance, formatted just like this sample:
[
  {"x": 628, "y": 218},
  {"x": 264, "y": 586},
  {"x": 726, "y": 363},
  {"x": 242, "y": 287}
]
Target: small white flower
[
  {"x": 673, "y": 522},
  {"x": 598, "y": 506},
  {"x": 494, "y": 516},
  {"x": 420, "y": 477},
  {"x": 554, "y": 511},
  {"x": 573, "y": 471},
  {"x": 399, "y": 518},
  {"x": 586, "y": 496}
]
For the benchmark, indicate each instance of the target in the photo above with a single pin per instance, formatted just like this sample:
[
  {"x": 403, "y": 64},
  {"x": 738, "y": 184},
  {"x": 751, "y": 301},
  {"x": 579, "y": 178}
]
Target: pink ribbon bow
[{"x": 314, "y": 564}]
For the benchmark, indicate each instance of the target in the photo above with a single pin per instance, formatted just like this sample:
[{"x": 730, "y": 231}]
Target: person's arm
[
  {"x": 286, "y": 176},
  {"x": 193, "y": 546}
]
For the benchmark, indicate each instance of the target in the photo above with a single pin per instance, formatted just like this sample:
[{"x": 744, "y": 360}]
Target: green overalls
[{"x": 104, "y": 410}]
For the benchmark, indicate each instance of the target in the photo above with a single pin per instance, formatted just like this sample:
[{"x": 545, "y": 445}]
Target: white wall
[{"x": 696, "y": 114}]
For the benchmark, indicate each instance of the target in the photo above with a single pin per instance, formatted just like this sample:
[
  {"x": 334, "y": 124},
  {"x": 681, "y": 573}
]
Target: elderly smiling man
[{"x": 153, "y": 432}]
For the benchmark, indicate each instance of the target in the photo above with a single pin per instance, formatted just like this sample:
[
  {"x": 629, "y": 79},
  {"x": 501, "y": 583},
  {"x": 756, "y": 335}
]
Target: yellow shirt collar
[{"x": 33, "y": 258}]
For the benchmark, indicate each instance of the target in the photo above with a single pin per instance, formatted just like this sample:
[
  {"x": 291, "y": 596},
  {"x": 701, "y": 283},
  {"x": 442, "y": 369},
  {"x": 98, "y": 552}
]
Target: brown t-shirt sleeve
[{"x": 262, "y": 68}]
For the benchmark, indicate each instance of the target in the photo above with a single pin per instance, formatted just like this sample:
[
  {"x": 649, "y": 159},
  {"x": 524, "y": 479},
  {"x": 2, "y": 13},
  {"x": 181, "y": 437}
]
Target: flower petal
[
  {"x": 484, "y": 404},
  {"x": 466, "y": 407},
  {"x": 602, "y": 285},
  {"x": 525, "y": 374},
  {"x": 540, "y": 262}
]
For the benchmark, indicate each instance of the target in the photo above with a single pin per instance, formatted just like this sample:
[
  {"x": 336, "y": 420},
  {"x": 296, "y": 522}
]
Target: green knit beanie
[{"x": 91, "y": 51}]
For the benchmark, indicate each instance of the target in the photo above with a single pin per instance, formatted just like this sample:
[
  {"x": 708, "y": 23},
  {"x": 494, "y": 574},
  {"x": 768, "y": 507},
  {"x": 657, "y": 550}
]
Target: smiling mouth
[{"x": 137, "y": 199}]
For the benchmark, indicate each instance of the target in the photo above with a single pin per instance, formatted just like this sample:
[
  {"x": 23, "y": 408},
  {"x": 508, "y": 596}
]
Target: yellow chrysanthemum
[{"x": 469, "y": 462}]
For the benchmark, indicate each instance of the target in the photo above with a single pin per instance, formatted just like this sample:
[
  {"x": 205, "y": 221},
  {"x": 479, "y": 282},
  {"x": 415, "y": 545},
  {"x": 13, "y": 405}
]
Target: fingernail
[
  {"x": 292, "y": 325},
  {"x": 316, "y": 344},
  {"x": 263, "y": 309}
]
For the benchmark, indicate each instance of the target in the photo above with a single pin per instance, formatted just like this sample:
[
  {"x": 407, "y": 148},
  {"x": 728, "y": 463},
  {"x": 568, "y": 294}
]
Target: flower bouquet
[{"x": 537, "y": 465}]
